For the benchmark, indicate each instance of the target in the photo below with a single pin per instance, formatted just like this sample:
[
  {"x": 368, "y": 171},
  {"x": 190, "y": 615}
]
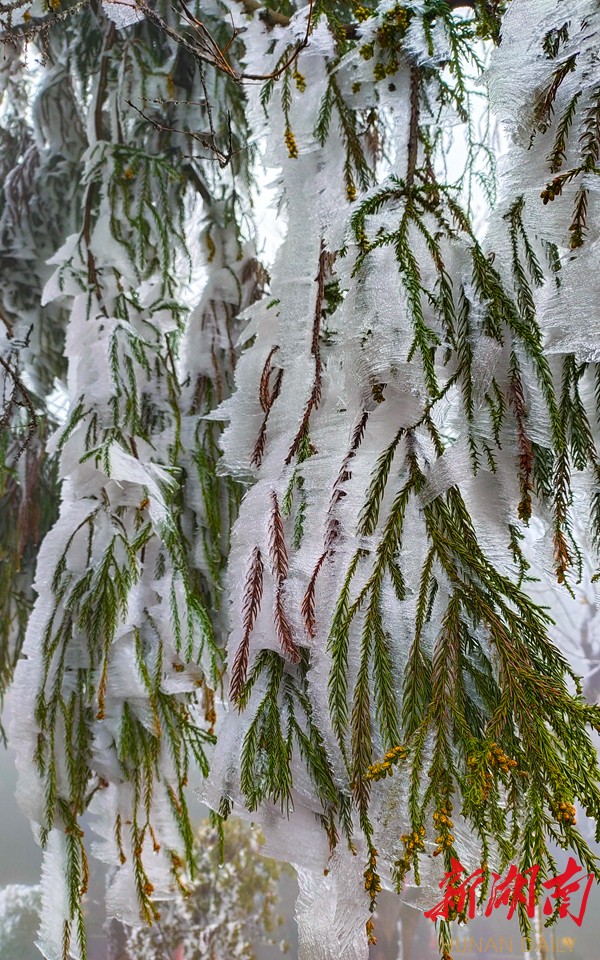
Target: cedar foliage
[{"x": 471, "y": 706}]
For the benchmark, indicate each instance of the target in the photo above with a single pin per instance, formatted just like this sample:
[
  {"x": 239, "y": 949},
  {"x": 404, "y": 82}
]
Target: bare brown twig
[
  {"x": 29, "y": 29},
  {"x": 208, "y": 144},
  {"x": 206, "y": 49},
  {"x": 413, "y": 134}
]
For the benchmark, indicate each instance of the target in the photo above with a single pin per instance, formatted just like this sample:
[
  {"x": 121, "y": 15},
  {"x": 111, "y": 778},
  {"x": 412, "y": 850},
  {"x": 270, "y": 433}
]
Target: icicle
[
  {"x": 330, "y": 912},
  {"x": 56, "y": 936},
  {"x": 122, "y": 13}
]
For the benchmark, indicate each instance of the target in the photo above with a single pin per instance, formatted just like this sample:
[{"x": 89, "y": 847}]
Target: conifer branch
[
  {"x": 267, "y": 395},
  {"x": 431, "y": 356},
  {"x": 252, "y": 597},
  {"x": 315, "y": 394},
  {"x": 279, "y": 567}
]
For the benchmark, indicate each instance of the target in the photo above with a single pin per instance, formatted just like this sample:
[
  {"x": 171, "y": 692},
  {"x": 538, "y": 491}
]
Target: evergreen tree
[
  {"x": 227, "y": 912},
  {"x": 299, "y": 513}
]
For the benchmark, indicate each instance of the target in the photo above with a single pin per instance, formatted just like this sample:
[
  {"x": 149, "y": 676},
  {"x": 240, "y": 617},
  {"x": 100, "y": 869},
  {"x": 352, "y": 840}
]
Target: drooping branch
[
  {"x": 315, "y": 395},
  {"x": 19, "y": 397},
  {"x": 34, "y": 26}
]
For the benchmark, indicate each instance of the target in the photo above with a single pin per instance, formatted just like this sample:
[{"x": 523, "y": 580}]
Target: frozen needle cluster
[{"x": 303, "y": 516}]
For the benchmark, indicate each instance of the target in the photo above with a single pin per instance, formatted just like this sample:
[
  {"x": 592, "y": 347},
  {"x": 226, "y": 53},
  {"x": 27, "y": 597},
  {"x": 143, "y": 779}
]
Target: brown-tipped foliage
[{"x": 253, "y": 591}]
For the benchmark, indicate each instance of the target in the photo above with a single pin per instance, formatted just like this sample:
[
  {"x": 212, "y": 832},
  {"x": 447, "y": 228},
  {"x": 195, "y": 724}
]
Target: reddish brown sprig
[
  {"x": 345, "y": 474},
  {"x": 277, "y": 548},
  {"x": 267, "y": 396},
  {"x": 208, "y": 706},
  {"x": 264, "y": 390},
  {"x": 332, "y": 526},
  {"x": 284, "y": 629},
  {"x": 253, "y": 591},
  {"x": 308, "y": 601},
  {"x": 325, "y": 263},
  {"x": 279, "y": 566}
]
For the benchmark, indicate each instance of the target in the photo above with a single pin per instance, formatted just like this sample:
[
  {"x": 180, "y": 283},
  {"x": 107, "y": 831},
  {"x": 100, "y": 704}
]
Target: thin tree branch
[
  {"x": 325, "y": 261},
  {"x": 222, "y": 158},
  {"x": 21, "y": 398},
  {"x": 29, "y": 29},
  {"x": 413, "y": 134}
]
